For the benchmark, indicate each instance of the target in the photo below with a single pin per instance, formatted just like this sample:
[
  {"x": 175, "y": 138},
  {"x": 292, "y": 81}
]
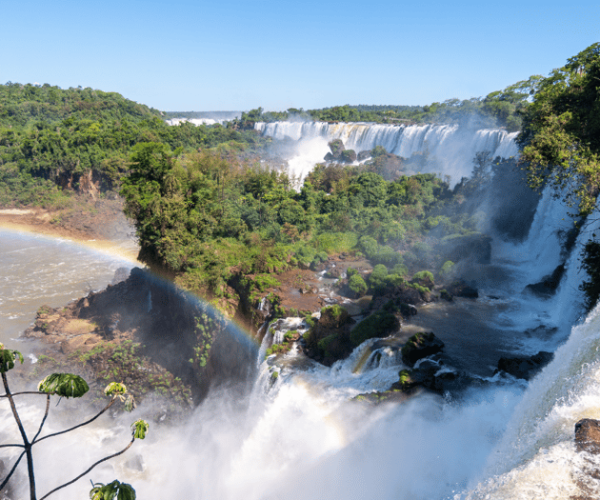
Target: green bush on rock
[{"x": 380, "y": 324}]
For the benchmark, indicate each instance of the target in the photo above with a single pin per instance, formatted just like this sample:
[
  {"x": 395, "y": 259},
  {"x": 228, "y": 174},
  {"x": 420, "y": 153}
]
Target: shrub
[
  {"x": 446, "y": 269},
  {"x": 357, "y": 284},
  {"x": 377, "y": 277},
  {"x": 380, "y": 324}
]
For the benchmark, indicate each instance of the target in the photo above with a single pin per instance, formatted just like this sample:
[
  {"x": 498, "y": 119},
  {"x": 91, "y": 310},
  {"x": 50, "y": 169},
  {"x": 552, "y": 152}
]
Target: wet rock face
[
  {"x": 460, "y": 288},
  {"x": 337, "y": 147},
  {"x": 524, "y": 367},
  {"x": 173, "y": 327},
  {"x": 477, "y": 247},
  {"x": 548, "y": 285},
  {"x": 419, "y": 346},
  {"x": 587, "y": 440},
  {"x": 587, "y": 436}
]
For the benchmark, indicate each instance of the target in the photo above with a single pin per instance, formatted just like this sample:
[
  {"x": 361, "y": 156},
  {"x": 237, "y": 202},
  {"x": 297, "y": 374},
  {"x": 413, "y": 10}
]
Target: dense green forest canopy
[
  {"x": 561, "y": 130},
  {"x": 52, "y": 138},
  {"x": 207, "y": 221}
]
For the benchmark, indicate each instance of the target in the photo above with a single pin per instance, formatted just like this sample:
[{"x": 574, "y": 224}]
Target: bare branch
[
  {"x": 11, "y": 472},
  {"x": 11, "y": 446},
  {"x": 44, "y": 419},
  {"x": 24, "y": 392},
  {"x": 14, "y": 409},
  {"x": 88, "y": 470},
  {"x": 77, "y": 426}
]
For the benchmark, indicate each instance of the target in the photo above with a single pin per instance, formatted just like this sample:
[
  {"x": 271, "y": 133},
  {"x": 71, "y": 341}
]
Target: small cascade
[{"x": 567, "y": 306}]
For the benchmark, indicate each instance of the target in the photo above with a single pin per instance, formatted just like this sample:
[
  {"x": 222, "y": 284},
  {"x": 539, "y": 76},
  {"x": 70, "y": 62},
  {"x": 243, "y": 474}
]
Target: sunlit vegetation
[
  {"x": 208, "y": 221},
  {"x": 54, "y": 142}
]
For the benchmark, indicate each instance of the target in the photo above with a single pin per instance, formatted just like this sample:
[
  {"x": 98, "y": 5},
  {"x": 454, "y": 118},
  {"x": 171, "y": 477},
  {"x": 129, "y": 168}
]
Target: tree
[
  {"x": 561, "y": 130},
  {"x": 66, "y": 385}
]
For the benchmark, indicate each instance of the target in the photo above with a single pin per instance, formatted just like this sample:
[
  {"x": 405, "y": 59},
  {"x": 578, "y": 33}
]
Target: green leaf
[
  {"x": 115, "y": 389},
  {"x": 140, "y": 428},
  {"x": 110, "y": 491},
  {"x": 8, "y": 358},
  {"x": 66, "y": 385}
]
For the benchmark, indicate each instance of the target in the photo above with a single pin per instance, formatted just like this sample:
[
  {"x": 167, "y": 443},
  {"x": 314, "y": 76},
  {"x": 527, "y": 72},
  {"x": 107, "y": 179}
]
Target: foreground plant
[{"x": 66, "y": 385}]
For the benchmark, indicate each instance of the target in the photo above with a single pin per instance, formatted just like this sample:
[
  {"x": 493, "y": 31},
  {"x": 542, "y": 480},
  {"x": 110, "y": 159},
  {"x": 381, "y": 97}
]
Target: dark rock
[
  {"x": 461, "y": 289},
  {"x": 381, "y": 324},
  {"x": 477, "y": 247},
  {"x": 348, "y": 156},
  {"x": 328, "y": 340},
  {"x": 587, "y": 436},
  {"x": 363, "y": 155},
  {"x": 419, "y": 346},
  {"x": 329, "y": 157},
  {"x": 524, "y": 367},
  {"x": 548, "y": 285},
  {"x": 334, "y": 272},
  {"x": 121, "y": 274},
  {"x": 337, "y": 147},
  {"x": 587, "y": 439},
  {"x": 407, "y": 310},
  {"x": 446, "y": 296}
]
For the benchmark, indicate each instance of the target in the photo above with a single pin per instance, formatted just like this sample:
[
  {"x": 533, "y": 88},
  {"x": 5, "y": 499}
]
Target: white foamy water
[{"x": 452, "y": 147}]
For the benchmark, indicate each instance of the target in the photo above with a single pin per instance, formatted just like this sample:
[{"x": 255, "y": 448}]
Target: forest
[{"x": 206, "y": 212}]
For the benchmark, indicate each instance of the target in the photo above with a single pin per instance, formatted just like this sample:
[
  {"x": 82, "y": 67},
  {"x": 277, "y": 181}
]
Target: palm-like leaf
[
  {"x": 66, "y": 385},
  {"x": 115, "y": 389},
  {"x": 8, "y": 358},
  {"x": 111, "y": 491},
  {"x": 140, "y": 428}
]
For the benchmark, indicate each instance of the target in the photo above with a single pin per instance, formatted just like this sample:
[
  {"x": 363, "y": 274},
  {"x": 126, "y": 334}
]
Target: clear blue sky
[{"x": 237, "y": 55}]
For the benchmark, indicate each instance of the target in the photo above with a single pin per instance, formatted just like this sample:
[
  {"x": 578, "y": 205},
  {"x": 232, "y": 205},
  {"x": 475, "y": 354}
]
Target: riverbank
[{"x": 98, "y": 224}]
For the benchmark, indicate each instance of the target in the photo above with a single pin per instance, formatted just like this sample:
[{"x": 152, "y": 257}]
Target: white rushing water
[
  {"x": 297, "y": 435},
  {"x": 452, "y": 147}
]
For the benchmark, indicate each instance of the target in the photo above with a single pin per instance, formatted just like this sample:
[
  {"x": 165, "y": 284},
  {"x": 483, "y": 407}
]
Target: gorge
[{"x": 296, "y": 431}]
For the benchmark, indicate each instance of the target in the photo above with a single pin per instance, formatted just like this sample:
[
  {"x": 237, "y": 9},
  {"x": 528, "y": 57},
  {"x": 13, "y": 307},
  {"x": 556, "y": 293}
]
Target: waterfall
[
  {"x": 452, "y": 147},
  {"x": 536, "y": 457}
]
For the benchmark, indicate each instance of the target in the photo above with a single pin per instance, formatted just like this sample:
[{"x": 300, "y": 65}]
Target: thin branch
[
  {"x": 24, "y": 392},
  {"x": 77, "y": 426},
  {"x": 14, "y": 409},
  {"x": 44, "y": 419},
  {"x": 11, "y": 446},
  {"x": 11, "y": 472},
  {"x": 84, "y": 473}
]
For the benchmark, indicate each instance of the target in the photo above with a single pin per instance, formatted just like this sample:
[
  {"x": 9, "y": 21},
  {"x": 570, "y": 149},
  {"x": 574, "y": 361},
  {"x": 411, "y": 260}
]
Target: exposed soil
[{"x": 87, "y": 219}]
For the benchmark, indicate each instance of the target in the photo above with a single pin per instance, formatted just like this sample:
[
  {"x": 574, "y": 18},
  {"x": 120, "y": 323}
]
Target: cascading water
[
  {"x": 298, "y": 435},
  {"x": 452, "y": 146}
]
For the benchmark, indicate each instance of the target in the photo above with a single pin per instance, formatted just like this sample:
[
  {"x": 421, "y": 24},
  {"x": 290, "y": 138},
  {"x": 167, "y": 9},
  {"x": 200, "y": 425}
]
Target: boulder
[
  {"x": 524, "y": 367},
  {"x": 587, "y": 439},
  {"x": 587, "y": 436},
  {"x": 348, "y": 156},
  {"x": 456, "y": 247},
  {"x": 459, "y": 288},
  {"x": 548, "y": 285},
  {"x": 329, "y": 157},
  {"x": 81, "y": 343},
  {"x": 363, "y": 155},
  {"x": 334, "y": 272},
  {"x": 419, "y": 346},
  {"x": 337, "y": 147},
  {"x": 407, "y": 310}
]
